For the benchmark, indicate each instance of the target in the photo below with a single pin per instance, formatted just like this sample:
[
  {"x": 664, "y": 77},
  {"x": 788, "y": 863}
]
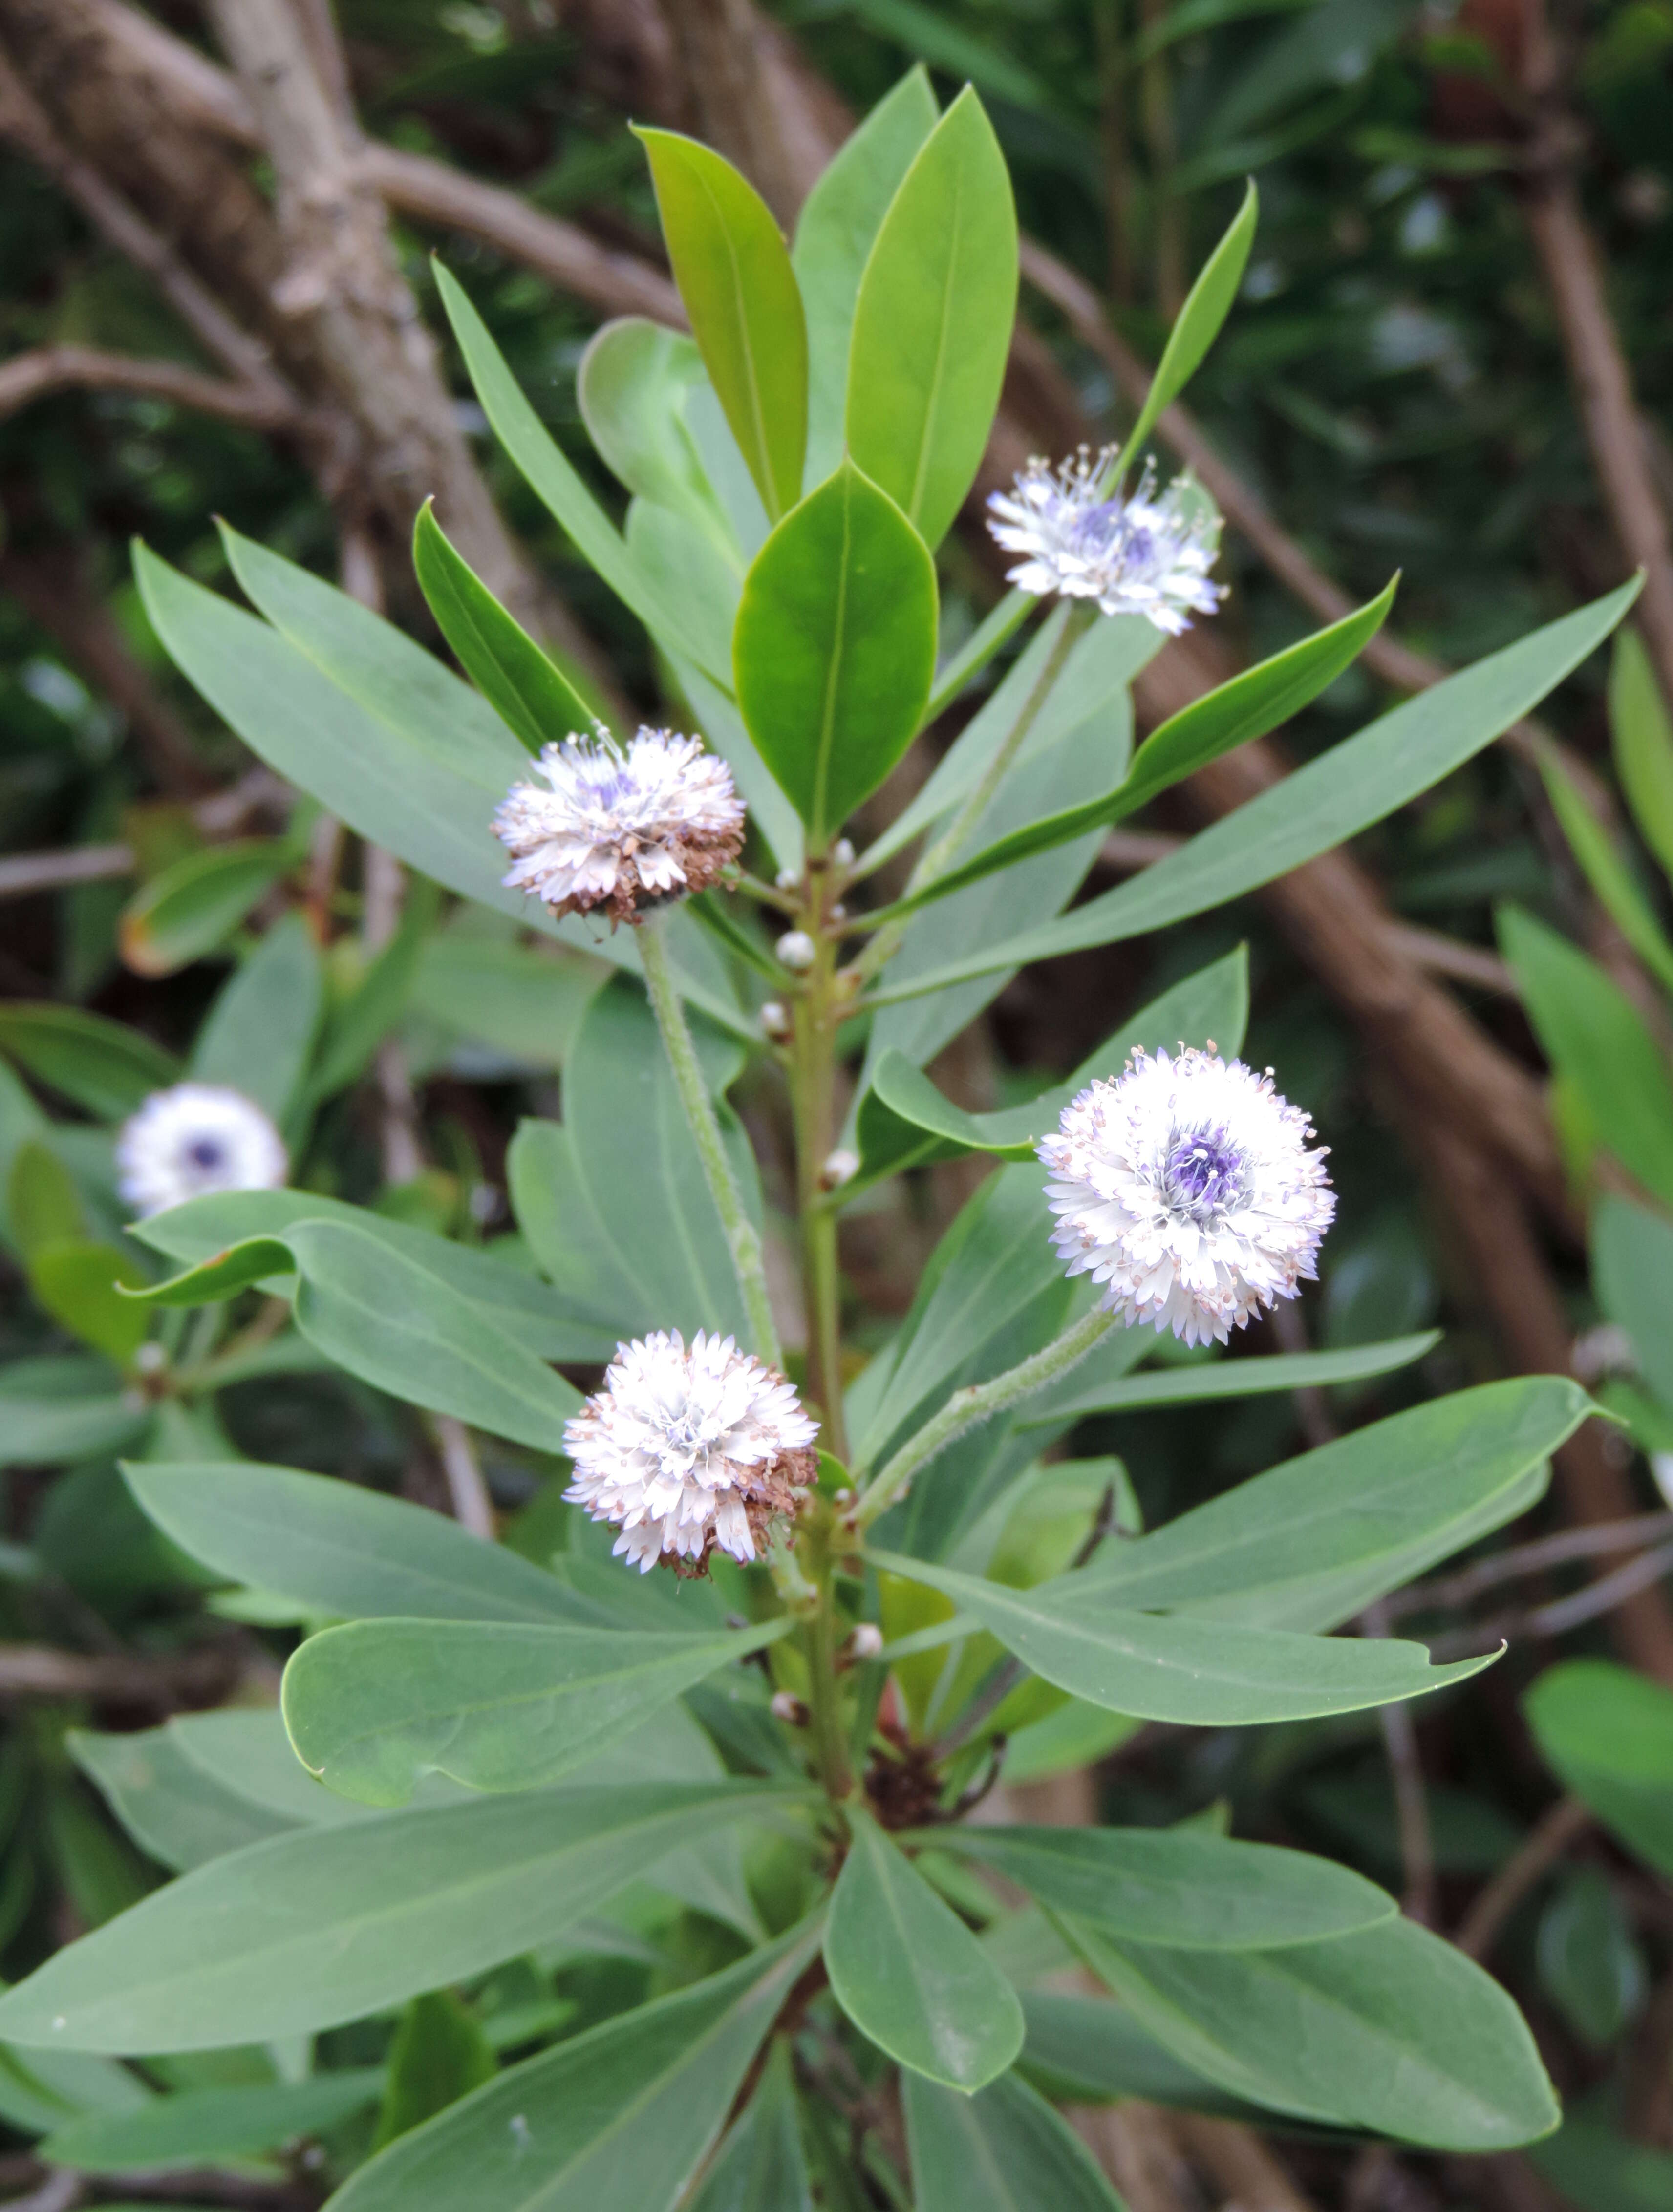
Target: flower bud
[
  {"x": 789, "y": 1709},
  {"x": 840, "y": 1167},
  {"x": 797, "y": 950},
  {"x": 775, "y": 1020},
  {"x": 866, "y": 1640}
]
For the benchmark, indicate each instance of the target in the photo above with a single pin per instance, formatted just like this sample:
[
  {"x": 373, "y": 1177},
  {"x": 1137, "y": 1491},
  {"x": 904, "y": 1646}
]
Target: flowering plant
[{"x": 838, "y": 1638}]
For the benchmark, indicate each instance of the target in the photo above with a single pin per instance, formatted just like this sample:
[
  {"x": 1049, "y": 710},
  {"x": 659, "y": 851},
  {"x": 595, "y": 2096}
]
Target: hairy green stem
[
  {"x": 812, "y": 1094},
  {"x": 966, "y": 1408},
  {"x": 824, "y": 1715},
  {"x": 743, "y": 1238}
]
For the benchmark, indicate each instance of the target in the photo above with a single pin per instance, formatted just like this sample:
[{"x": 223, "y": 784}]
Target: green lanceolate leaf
[
  {"x": 82, "y": 1285},
  {"x": 1002, "y": 2150},
  {"x": 931, "y": 326},
  {"x": 260, "y": 1030},
  {"x": 99, "y": 1065},
  {"x": 839, "y": 219},
  {"x": 308, "y": 1931},
  {"x": 205, "y": 2127},
  {"x": 340, "y": 1550},
  {"x": 1169, "y": 1667},
  {"x": 1197, "y": 1384},
  {"x": 170, "y": 1807},
  {"x": 438, "y": 2055},
  {"x": 1085, "y": 2049},
  {"x": 1245, "y": 708},
  {"x": 1608, "y": 1733},
  {"x": 92, "y": 1418},
  {"x": 1631, "y": 1267},
  {"x": 1643, "y": 741},
  {"x": 1176, "y": 1887},
  {"x": 734, "y": 275},
  {"x": 636, "y": 380},
  {"x": 614, "y": 2120},
  {"x": 834, "y": 647},
  {"x": 532, "y": 696},
  {"x": 195, "y": 905},
  {"x": 374, "y": 1706},
  {"x": 1207, "y": 306},
  {"x": 909, "y": 1974},
  {"x": 43, "y": 1206},
  {"x": 1391, "y": 2030},
  {"x": 1612, "y": 881},
  {"x": 761, "y": 2166},
  {"x": 1330, "y": 800}
]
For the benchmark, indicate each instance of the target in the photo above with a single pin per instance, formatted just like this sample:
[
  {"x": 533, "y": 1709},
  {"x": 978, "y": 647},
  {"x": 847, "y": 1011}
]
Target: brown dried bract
[
  {"x": 771, "y": 1494},
  {"x": 701, "y": 855}
]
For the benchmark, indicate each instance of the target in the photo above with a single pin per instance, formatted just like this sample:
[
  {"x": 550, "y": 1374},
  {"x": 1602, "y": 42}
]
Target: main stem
[
  {"x": 813, "y": 1095},
  {"x": 965, "y": 1408},
  {"x": 743, "y": 1238}
]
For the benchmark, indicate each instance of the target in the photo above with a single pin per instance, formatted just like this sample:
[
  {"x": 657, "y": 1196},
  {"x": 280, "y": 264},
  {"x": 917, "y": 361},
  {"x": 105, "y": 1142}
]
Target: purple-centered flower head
[
  {"x": 194, "y": 1139},
  {"x": 623, "y": 829},
  {"x": 1146, "y": 555},
  {"x": 686, "y": 1447},
  {"x": 1185, "y": 1187}
]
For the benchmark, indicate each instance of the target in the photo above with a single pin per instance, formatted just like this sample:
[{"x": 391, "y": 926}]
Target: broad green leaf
[
  {"x": 932, "y": 325},
  {"x": 358, "y": 1023},
  {"x": 681, "y": 559},
  {"x": 734, "y": 275},
  {"x": 48, "y": 2088},
  {"x": 90, "y": 1417},
  {"x": 1597, "y": 2170},
  {"x": 99, "y": 1065},
  {"x": 172, "y": 1808},
  {"x": 1599, "y": 1042},
  {"x": 341, "y": 1550},
  {"x": 1389, "y": 2030},
  {"x": 1632, "y": 1269},
  {"x": 1590, "y": 1963},
  {"x": 549, "y": 476},
  {"x": 1244, "y": 708},
  {"x": 260, "y": 1030},
  {"x": 373, "y": 1706},
  {"x": 1613, "y": 883},
  {"x": 1168, "y": 1667},
  {"x": 761, "y": 2165},
  {"x": 531, "y": 696},
  {"x": 834, "y": 646},
  {"x": 905, "y": 1120},
  {"x": 1330, "y": 800},
  {"x": 206, "y": 2127},
  {"x": 246, "y": 1753},
  {"x": 1608, "y": 1733},
  {"x": 616, "y": 2119},
  {"x": 439, "y": 2054},
  {"x": 76, "y": 1281},
  {"x": 1002, "y": 2150},
  {"x": 308, "y": 1931},
  {"x": 1085, "y": 2049},
  {"x": 1176, "y": 1886},
  {"x": 1311, "y": 1543},
  {"x": 633, "y": 386},
  {"x": 195, "y": 905},
  {"x": 1207, "y": 306},
  {"x": 524, "y": 1000},
  {"x": 43, "y": 1206},
  {"x": 1198, "y": 1384},
  {"x": 839, "y": 219},
  {"x": 1643, "y": 740},
  {"x": 909, "y": 1974}
]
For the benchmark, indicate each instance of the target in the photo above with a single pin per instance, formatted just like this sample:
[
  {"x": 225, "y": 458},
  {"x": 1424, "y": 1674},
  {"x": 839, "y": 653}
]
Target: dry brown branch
[
  {"x": 26, "y": 376},
  {"x": 1243, "y": 2170},
  {"x": 1539, "y": 1850},
  {"x": 1529, "y": 1559},
  {"x": 1590, "y": 1602},
  {"x": 198, "y": 1677}
]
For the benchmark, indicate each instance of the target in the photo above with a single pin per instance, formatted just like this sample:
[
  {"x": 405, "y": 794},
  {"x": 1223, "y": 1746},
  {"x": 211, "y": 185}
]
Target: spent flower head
[
  {"x": 1147, "y": 555},
  {"x": 624, "y": 828},
  {"x": 1185, "y": 1187},
  {"x": 194, "y": 1139},
  {"x": 689, "y": 1446}
]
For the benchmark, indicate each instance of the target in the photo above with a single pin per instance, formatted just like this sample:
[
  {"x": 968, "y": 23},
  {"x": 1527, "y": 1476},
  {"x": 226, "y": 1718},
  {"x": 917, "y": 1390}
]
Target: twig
[
  {"x": 1529, "y": 1558},
  {"x": 473, "y": 1509},
  {"x": 1607, "y": 1592},
  {"x": 25, "y": 873},
  {"x": 26, "y": 376},
  {"x": 1411, "y": 1801},
  {"x": 199, "y": 1676},
  {"x": 61, "y": 2189},
  {"x": 1551, "y": 1835}
]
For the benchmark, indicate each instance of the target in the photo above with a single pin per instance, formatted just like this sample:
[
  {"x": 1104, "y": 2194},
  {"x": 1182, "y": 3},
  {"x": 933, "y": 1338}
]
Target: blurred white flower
[
  {"x": 1186, "y": 1189},
  {"x": 686, "y": 1449},
  {"x": 194, "y": 1139},
  {"x": 1144, "y": 555},
  {"x": 624, "y": 829}
]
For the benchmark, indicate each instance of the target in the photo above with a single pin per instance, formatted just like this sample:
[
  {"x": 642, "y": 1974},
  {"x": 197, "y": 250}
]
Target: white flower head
[
  {"x": 1146, "y": 555},
  {"x": 192, "y": 1140},
  {"x": 686, "y": 1447},
  {"x": 622, "y": 828},
  {"x": 1185, "y": 1187}
]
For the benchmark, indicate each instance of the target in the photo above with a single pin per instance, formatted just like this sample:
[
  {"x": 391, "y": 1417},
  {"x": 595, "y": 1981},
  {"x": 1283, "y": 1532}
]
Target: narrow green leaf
[
  {"x": 909, "y": 1974},
  {"x": 83, "y": 1284},
  {"x": 761, "y": 2166},
  {"x": 1171, "y": 1668},
  {"x": 1002, "y": 2150},
  {"x": 1611, "y": 879},
  {"x": 1176, "y": 1888},
  {"x": 734, "y": 275},
  {"x": 834, "y": 647},
  {"x": 532, "y": 696},
  {"x": 932, "y": 325},
  {"x": 311, "y": 1929},
  {"x": 99, "y": 1065},
  {"x": 1083, "y": 2050},
  {"x": 51, "y": 1432},
  {"x": 259, "y": 1032},
  {"x": 375, "y": 1705},
  {"x": 206, "y": 2127},
  {"x": 1207, "y": 306},
  {"x": 357, "y": 1024},
  {"x": 171, "y": 1807},
  {"x": 1608, "y": 1734},
  {"x": 634, "y": 385},
  {"x": 438, "y": 2055},
  {"x": 1643, "y": 741},
  {"x": 43, "y": 1206},
  {"x": 1213, "y": 1379},
  {"x": 194, "y": 906},
  {"x": 1632, "y": 1269}
]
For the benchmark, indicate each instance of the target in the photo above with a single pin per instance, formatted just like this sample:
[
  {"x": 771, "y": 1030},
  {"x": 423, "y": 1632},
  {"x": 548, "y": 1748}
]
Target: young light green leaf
[
  {"x": 1207, "y": 306},
  {"x": 339, "y": 1549},
  {"x": 1597, "y": 1040},
  {"x": 374, "y": 1706},
  {"x": 83, "y": 1284},
  {"x": 259, "y": 1032},
  {"x": 310, "y": 1930},
  {"x": 99, "y": 1065},
  {"x": 734, "y": 275},
  {"x": 43, "y": 1206},
  {"x": 932, "y": 325},
  {"x": 1002, "y": 2150},
  {"x": 1171, "y": 1668},
  {"x": 1643, "y": 742},
  {"x": 634, "y": 384},
  {"x": 834, "y": 647},
  {"x": 1176, "y": 1888},
  {"x": 1391, "y": 2030},
  {"x": 616, "y": 2119},
  {"x": 1608, "y": 1733},
  {"x": 194, "y": 906},
  {"x": 533, "y": 697},
  {"x": 909, "y": 1974},
  {"x": 209, "y": 2126},
  {"x": 439, "y": 2054}
]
